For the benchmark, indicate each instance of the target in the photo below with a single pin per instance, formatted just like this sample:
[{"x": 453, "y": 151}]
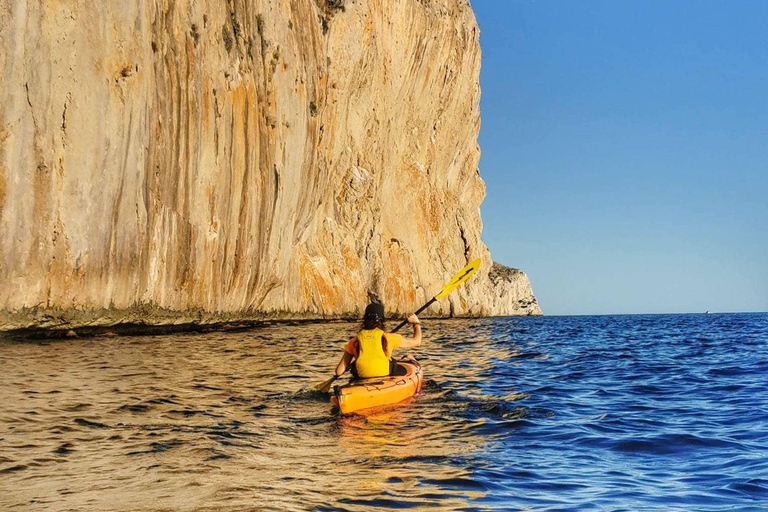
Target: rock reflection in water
[{"x": 218, "y": 421}]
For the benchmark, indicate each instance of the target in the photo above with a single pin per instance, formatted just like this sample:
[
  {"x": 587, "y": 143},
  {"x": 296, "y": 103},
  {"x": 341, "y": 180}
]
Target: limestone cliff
[{"x": 200, "y": 161}]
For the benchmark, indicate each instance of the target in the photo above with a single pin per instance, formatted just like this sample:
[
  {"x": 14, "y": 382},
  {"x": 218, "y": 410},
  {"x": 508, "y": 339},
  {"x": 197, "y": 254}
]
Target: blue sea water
[
  {"x": 629, "y": 413},
  {"x": 616, "y": 413}
]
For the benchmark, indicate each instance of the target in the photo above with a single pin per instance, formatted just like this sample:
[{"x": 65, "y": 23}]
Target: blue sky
[{"x": 625, "y": 152}]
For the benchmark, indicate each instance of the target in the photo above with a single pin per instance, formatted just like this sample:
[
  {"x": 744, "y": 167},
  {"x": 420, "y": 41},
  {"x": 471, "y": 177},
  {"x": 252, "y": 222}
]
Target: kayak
[
  {"x": 366, "y": 393},
  {"x": 378, "y": 391}
]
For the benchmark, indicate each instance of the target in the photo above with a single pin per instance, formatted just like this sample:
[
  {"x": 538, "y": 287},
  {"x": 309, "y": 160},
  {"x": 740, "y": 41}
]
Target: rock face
[{"x": 203, "y": 161}]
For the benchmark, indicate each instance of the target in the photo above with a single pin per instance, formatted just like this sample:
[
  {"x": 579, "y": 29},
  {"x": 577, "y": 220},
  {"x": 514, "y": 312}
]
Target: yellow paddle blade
[
  {"x": 324, "y": 387},
  {"x": 459, "y": 278}
]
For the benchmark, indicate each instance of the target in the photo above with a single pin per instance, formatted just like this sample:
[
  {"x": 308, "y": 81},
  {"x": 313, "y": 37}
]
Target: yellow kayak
[{"x": 378, "y": 391}]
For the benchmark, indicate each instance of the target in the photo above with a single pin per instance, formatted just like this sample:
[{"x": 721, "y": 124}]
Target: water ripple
[{"x": 662, "y": 413}]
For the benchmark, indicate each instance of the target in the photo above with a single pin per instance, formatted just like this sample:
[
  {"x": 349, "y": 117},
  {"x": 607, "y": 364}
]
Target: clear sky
[{"x": 625, "y": 152}]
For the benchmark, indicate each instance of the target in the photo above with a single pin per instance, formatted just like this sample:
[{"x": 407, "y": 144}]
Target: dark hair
[
  {"x": 379, "y": 325},
  {"x": 374, "y": 316}
]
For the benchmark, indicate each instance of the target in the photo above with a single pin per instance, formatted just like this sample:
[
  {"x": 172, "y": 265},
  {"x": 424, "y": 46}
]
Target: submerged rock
[{"x": 168, "y": 162}]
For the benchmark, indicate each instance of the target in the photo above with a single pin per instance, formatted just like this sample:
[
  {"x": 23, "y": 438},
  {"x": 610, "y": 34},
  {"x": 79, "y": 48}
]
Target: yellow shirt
[{"x": 372, "y": 349}]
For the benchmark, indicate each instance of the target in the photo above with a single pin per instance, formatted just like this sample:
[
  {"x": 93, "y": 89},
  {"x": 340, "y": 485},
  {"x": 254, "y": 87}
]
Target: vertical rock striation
[{"x": 200, "y": 161}]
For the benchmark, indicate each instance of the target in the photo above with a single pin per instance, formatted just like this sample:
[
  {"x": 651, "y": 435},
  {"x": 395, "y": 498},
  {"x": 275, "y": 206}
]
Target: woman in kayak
[{"x": 371, "y": 349}]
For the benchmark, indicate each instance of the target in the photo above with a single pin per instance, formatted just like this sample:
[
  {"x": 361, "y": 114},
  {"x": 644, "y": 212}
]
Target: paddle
[{"x": 454, "y": 283}]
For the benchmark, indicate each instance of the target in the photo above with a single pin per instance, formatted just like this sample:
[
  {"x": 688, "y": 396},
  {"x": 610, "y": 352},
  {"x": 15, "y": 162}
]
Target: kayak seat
[{"x": 399, "y": 370}]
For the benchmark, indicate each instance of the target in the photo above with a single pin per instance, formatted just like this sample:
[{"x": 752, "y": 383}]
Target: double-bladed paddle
[{"x": 454, "y": 283}]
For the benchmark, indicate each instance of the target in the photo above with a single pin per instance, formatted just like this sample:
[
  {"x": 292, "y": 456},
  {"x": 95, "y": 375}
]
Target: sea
[{"x": 614, "y": 413}]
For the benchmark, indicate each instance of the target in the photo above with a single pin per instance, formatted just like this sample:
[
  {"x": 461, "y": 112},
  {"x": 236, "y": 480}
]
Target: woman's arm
[
  {"x": 415, "y": 341},
  {"x": 343, "y": 363}
]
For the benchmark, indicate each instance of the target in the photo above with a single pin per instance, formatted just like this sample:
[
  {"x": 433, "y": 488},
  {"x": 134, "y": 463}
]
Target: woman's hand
[{"x": 416, "y": 340}]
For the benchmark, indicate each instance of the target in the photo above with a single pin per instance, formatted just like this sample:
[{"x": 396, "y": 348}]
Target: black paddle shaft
[{"x": 422, "y": 308}]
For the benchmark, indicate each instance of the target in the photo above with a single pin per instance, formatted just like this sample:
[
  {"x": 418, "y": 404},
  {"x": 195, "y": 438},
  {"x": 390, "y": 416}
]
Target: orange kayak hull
[{"x": 378, "y": 391}]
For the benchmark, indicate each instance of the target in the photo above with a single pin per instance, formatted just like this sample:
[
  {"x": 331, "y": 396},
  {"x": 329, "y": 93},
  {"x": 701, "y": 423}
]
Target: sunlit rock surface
[{"x": 201, "y": 161}]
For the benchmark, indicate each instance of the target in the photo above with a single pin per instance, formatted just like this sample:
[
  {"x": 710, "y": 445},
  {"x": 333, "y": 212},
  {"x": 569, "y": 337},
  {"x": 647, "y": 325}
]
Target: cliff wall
[{"x": 202, "y": 161}]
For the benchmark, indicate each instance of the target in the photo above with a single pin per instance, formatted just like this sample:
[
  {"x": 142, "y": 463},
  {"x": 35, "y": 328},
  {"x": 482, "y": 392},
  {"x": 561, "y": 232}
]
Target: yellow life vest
[{"x": 372, "y": 360}]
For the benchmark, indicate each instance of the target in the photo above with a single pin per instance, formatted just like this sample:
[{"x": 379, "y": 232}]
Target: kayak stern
[{"x": 378, "y": 391}]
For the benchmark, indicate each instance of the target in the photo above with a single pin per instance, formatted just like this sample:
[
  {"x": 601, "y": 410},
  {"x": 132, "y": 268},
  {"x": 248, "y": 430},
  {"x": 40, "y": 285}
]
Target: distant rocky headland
[{"x": 212, "y": 161}]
